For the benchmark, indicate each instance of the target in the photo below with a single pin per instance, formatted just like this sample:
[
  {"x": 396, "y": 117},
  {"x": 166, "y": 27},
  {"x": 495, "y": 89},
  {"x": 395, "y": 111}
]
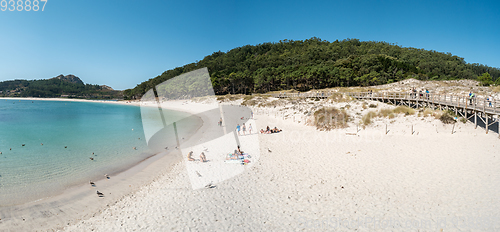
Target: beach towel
[{"x": 238, "y": 161}]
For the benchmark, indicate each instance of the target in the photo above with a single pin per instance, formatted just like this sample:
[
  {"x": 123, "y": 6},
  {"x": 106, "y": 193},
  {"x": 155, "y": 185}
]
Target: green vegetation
[
  {"x": 485, "y": 79},
  {"x": 55, "y": 88},
  {"x": 316, "y": 64},
  {"x": 328, "y": 118}
]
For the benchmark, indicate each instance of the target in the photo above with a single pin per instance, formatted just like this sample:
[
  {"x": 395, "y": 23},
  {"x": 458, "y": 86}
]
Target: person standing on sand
[
  {"x": 203, "y": 158},
  {"x": 244, "y": 129},
  {"x": 238, "y": 129},
  {"x": 249, "y": 128}
]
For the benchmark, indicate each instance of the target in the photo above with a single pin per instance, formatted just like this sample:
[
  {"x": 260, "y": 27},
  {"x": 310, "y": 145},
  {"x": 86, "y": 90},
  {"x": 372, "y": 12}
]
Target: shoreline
[{"x": 79, "y": 201}]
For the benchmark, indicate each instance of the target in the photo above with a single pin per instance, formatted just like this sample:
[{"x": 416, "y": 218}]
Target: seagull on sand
[
  {"x": 269, "y": 150},
  {"x": 197, "y": 173},
  {"x": 92, "y": 183},
  {"x": 106, "y": 175},
  {"x": 100, "y": 194}
]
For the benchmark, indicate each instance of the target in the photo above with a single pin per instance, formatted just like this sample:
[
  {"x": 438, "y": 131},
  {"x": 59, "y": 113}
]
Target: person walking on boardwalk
[
  {"x": 489, "y": 100},
  {"x": 471, "y": 95},
  {"x": 238, "y": 129}
]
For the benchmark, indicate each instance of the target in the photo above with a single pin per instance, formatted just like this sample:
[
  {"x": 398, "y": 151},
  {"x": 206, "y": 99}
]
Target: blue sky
[{"x": 123, "y": 43}]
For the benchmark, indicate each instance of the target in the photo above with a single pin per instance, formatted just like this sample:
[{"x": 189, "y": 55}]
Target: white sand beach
[
  {"x": 431, "y": 180},
  {"x": 305, "y": 179}
]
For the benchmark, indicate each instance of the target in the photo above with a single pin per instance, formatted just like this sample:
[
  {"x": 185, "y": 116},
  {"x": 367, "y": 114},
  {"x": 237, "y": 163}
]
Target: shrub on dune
[{"x": 446, "y": 118}]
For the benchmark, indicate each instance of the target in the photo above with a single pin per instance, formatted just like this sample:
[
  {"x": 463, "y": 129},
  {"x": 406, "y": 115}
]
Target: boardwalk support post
[
  {"x": 487, "y": 123},
  {"x": 475, "y": 119},
  {"x": 385, "y": 128}
]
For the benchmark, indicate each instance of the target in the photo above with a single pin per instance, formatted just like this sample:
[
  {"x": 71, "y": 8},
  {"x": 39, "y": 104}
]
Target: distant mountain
[
  {"x": 69, "y": 86},
  {"x": 69, "y": 78}
]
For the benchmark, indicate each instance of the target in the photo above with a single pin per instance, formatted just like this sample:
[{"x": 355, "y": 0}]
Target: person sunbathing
[
  {"x": 203, "y": 158},
  {"x": 240, "y": 152},
  {"x": 234, "y": 155},
  {"x": 190, "y": 156},
  {"x": 275, "y": 130}
]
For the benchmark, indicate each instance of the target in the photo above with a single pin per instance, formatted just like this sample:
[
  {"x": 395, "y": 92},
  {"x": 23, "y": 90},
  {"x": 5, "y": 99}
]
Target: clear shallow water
[{"x": 35, "y": 171}]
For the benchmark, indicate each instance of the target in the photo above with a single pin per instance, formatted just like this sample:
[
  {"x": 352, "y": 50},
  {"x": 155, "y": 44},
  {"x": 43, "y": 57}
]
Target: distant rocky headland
[{"x": 69, "y": 86}]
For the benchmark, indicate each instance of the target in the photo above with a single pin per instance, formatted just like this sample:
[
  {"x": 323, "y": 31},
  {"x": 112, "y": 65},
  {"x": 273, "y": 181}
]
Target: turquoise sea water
[{"x": 35, "y": 171}]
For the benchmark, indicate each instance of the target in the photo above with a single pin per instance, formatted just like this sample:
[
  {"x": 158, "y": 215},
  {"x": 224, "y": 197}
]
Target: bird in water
[
  {"x": 23, "y": 145},
  {"x": 65, "y": 146},
  {"x": 91, "y": 158}
]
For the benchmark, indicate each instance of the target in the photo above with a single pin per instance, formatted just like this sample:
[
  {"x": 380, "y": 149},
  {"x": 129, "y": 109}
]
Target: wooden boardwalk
[{"x": 471, "y": 109}]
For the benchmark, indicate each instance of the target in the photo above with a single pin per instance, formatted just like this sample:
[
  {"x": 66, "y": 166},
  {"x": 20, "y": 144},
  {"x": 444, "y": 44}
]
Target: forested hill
[
  {"x": 316, "y": 64},
  {"x": 61, "y": 86}
]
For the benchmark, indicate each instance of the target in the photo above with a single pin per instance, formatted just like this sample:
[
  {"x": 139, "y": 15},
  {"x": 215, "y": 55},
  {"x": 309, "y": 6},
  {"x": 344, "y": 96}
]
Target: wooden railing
[{"x": 476, "y": 103}]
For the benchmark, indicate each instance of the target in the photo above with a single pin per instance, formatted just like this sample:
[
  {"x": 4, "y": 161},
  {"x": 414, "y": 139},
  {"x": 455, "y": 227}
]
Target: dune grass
[
  {"x": 404, "y": 109},
  {"x": 338, "y": 97},
  {"x": 496, "y": 89},
  {"x": 328, "y": 118},
  {"x": 367, "y": 118}
]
